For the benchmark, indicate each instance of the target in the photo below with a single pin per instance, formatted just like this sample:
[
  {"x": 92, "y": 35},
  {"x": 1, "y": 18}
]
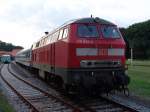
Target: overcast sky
[{"x": 23, "y": 22}]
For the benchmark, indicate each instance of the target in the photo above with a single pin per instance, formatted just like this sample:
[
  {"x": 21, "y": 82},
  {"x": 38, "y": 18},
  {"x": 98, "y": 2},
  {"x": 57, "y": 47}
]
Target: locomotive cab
[{"x": 98, "y": 60}]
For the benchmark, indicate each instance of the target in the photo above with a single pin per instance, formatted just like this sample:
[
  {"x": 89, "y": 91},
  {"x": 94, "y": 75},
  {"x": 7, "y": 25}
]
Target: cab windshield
[
  {"x": 87, "y": 31},
  {"x": 110, "y": 32}
]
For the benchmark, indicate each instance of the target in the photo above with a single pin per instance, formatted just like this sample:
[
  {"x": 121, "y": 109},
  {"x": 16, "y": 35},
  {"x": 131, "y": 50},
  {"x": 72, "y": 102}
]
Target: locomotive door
[{"x": 53, "y": 57}]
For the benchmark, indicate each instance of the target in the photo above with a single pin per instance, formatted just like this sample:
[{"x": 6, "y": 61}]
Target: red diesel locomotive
[{"x": 83, "y": 54}]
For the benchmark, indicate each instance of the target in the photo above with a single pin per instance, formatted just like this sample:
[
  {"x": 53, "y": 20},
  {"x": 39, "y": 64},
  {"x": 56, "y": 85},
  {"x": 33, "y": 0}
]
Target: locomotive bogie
[{"x": 103, "y": 80}]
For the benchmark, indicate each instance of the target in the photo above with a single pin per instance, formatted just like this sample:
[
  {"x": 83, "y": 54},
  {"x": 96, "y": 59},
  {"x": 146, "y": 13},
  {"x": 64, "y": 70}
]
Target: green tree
[
  {"x": 138, "y": 36},
  {"x": 8, "y": 46}
]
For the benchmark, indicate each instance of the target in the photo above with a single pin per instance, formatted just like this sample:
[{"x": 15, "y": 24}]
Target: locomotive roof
[
  {"x": 80, "y": 20},
  {"x": 90, "y": 20}
]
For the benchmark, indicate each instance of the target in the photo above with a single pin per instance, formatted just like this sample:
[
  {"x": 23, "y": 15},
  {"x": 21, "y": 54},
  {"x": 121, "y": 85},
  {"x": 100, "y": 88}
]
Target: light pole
[
  {"x": 131, "y": 57},
  {"x": 131, "y": 53}
]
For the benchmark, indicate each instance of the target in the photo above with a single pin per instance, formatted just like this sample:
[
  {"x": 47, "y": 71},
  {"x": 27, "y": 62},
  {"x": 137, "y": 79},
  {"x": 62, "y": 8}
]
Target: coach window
[
  {"x": 49, "y": 39},
  {"x": 55, "y": 36},
  {"x": 43, "y": 41},
  {"x": 34, "y": 46},
  {"x": 65, "y": 33},
  {"x": 60, "y": 34},
  {"x": 40, "y": 44},
  {"x": 52, "y": 38},
  {"x": 46, "y": 40},
  {"x": 37, "y": 44}
]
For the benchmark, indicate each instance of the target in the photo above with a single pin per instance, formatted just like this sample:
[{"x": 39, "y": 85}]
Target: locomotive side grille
[{"x": 96, "y": 63}]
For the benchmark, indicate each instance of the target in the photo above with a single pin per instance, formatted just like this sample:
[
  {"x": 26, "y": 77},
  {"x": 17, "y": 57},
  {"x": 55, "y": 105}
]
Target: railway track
[
  {"x": 36, "y": 99},
  {"x": 86, "y": 104},
  {"x": 101, "y": 104}
]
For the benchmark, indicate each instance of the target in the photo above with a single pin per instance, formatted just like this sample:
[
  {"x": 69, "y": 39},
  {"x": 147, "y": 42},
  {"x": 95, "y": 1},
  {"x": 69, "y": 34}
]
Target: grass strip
[
  {"x": 140, "y": 80},
  {"x": 4, "y": 104}
]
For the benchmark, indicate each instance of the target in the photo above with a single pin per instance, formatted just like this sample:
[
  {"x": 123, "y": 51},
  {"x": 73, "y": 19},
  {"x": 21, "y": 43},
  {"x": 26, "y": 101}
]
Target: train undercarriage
[
  {"x": 97, "y": 80},
  {"x": 87, "y": 80}
]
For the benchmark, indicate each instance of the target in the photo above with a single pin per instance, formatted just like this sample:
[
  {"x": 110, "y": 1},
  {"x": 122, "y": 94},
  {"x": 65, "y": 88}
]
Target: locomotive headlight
[
  {"x": 119, "y": 62},
  {"x": 86, "y": 63},
  {"x": 86, "y": 51},
  {"x": 126, "y": 67},
  {"x": 126, "y": 72}
]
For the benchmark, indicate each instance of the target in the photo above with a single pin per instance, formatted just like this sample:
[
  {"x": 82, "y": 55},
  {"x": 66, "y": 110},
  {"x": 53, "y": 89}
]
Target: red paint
[{"x": 62, "y": 53}]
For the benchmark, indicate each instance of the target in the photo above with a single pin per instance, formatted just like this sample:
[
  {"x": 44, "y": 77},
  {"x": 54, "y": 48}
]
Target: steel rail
[
  {"x": 120, "y": 105},
  {"x": 21, "y": 96},
  {"x": 75, "y": 109}
]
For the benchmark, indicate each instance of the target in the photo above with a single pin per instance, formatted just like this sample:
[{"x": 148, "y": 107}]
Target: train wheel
[
  {"x": 71, "y": 90},
  {"x": 47, "y": 79},
  {"x": 67, "y": 88},
  {"x": 59, "y": 81}
]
